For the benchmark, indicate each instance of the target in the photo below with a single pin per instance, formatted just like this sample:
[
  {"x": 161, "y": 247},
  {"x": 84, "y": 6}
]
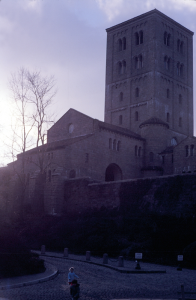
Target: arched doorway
[{"x": 113, "y": 173}]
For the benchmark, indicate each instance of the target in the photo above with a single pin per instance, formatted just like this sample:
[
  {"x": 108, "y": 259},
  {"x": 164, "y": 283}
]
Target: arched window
[
  {"x": 141, "y": 37},
  {"x": 181, "y": 70},
  {"x": 114, "y": 144},
  {"x": 180, "y": 99},
  {"x": 136, "y": 62},
  {"x": 137, "y": 38},
  {"x": 168, "y": 117},
  {"x": 119, "y": 67},
  {"x": 136, "y": 116},
  {"x": 120, "y": 45},
  {"x": 192, "y": 150},
  {"x": 140, "y": 61},
  {"x": 118, "y": 146},
  {"x": 121, "y": 96},
  {"x": 186, "y": 151},
  {"x": 168, "y": 93},
  {"x": 110, "y": 143},
  {"x": 166, "y": 39},
  {"x": 180, "y": 122},
  {"x": 167, "y": 63},
  {"x": 151, "y": 156},
  {"x": 120, "y": 120},
  {"x": 124, "y": 44},
  {"x": 181, "y": 47},
  {"x": 135, "y": 150},
  {"x": 124, "y": 66},
  {"x": 137, "y": 92}
]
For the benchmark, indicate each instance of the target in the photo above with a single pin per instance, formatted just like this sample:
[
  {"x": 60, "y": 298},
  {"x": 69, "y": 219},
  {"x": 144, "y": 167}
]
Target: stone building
[{"x": 148, "y": 124}]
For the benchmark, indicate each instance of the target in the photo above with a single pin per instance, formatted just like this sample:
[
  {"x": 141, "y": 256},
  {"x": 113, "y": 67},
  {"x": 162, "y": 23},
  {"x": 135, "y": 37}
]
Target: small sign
[
  {"x": 138, "y": 255},
  {"x": 180, "y": 257}
]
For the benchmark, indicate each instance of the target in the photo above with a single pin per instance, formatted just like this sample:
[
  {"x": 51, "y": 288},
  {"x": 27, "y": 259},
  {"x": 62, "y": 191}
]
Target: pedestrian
[
  {"x": 75, "y": 290},
  {"x": 71, "y": 275}
]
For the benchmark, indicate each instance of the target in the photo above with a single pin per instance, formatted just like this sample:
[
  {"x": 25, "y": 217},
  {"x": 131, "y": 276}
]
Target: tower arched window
[
  {"x": 136, "y": 116},
  {"x": 120, "y": 45},
  {"x": 121, "y": 96},
  {"x": 137, "y": 38},
  {"x": 140, "y": 61},
  {"x": 120, "y": 67},
  {"x": 124, "y": 44},
  {"x": 137, "y": 91},
  {"x": 167, "y": 63},
  {"x": 120, "y": 120},
  {"x": 124, "y": 66},
  {"x": 167, "y": 38},
  {"x": 168, "y": 93}
]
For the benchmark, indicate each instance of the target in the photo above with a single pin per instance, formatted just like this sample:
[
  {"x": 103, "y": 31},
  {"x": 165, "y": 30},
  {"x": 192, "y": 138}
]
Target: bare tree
[{"x": 32, "y": 96}]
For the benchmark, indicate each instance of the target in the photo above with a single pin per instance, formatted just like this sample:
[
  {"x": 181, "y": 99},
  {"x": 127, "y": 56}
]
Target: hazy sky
[{"x": 67, "y": 39}]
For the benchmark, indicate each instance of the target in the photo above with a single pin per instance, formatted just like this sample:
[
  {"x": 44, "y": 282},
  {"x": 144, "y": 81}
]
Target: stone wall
[{"x": 174, "y": 195}]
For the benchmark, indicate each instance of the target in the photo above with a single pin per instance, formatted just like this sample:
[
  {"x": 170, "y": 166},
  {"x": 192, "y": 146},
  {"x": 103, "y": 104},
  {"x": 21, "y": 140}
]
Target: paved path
[{"x": 98, "y": 282}]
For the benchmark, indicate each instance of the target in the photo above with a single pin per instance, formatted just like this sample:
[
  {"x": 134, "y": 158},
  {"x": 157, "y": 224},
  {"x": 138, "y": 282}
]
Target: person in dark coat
[{"x": 75, "y": 290}]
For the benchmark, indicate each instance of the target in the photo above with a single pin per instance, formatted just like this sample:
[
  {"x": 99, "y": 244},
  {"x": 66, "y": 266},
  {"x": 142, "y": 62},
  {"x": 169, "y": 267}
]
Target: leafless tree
[{"x": 32, "y": 96}]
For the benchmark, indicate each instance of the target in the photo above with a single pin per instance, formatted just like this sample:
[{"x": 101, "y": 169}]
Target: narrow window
[
  {"x": 137, "y": 92},
  {"x": 163, "y": 159},
  {"x": 121, "y": 96},
  {"x": 120, "y": 45},
  {"x": 136, "y": 116},
  {"x": 135, "y": 150},
  {"x": 181, "y": 47},
  {"x": 118, "y": 146},
  {"x": 181, "y": 70},
  {"x": 124, "y": 43},
  {"x": 120, "y": 120},
  {"x": 178, "y": 45},
  {"x": 151, "y": 156},
  {"x": 136, "y": 38},
  {"x": 165, "y": 38},
  {"x": 136, "y": 63},
  {"x": 180, "y": 122},
  {"x": 168, "y": 93},
  {"x": 192, "y": 150},
  {"x": 167, "y": 63},
  {"x": 110, "y": 143},
  {"x": 140, "y": 62},
  {"x": 186, "y": 151},
  {"x": 114, "y": 144},
  {"x": 168, "y": 117}
]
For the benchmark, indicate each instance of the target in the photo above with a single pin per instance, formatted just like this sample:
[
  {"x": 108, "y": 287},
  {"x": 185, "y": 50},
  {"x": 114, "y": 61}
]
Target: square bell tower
[{"x": 149, "y": 73}]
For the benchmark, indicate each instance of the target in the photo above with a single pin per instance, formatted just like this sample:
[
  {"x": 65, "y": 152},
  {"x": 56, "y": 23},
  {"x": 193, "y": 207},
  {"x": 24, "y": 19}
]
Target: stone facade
[{"x": 148, "y": 126}]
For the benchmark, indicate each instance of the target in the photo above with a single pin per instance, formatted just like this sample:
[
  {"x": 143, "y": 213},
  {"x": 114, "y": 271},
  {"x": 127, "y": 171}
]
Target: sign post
[
  {"x": 180, "y": 260},
  {"x": 138, "y": 256}
]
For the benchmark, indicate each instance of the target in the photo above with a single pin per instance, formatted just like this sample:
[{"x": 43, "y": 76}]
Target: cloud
[{"x": 110, "y": 8}]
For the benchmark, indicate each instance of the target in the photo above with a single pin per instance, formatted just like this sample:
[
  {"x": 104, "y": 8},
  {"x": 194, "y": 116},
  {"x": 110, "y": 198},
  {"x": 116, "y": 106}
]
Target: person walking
[
  {"x": 71, "y": 276},
  {"x": 75, "y": 290}
]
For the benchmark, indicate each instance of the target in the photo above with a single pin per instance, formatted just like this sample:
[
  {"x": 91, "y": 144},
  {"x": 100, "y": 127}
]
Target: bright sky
[{"x": 67, "y": 39}]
